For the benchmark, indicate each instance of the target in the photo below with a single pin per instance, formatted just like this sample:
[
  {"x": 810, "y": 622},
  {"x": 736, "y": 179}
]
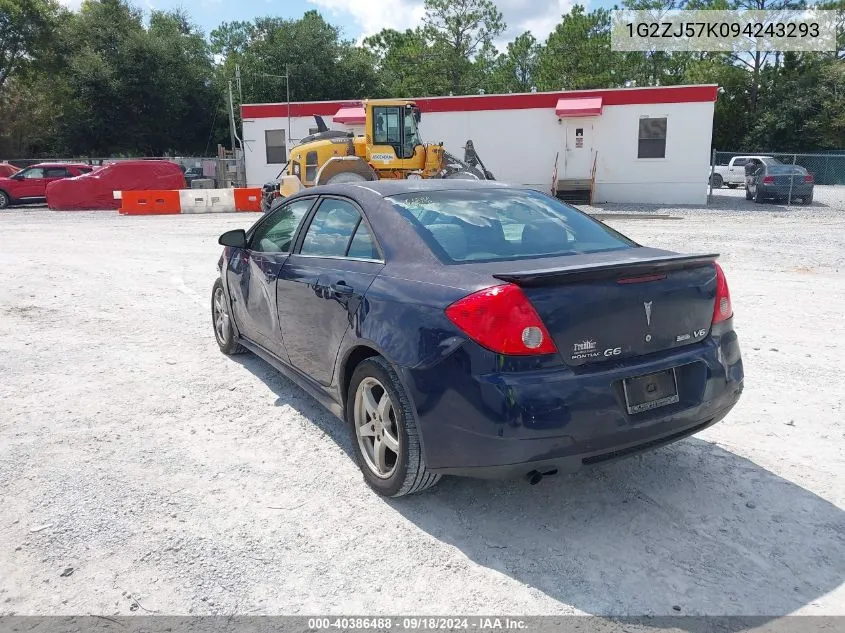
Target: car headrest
[
  {"x": 451, "y": 237},
  {"x": 545, "y": 236}
]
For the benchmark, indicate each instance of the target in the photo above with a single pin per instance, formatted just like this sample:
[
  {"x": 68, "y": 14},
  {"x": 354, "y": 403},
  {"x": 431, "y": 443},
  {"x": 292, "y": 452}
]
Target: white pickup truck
[{"x": 733, "y": 174}]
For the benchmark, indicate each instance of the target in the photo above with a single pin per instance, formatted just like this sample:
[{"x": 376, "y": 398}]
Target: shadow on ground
[
  {"x": 727, "y": 199},
  {"x": 690, "y": 526}
]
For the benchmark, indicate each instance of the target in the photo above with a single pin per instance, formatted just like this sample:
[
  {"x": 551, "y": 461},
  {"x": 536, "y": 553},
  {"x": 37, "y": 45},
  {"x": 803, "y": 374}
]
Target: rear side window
[
  {"x": 740, "y": 162},
  {"x": 503, "y": 224},
  {"x": 56, "y": 172},
  {"x": 331, "y": 229},
  {"x": 362, "y": 245}
]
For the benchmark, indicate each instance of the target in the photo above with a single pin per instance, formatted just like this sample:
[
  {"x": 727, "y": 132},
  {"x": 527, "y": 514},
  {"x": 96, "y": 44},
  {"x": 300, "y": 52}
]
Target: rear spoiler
[{"x": 590, "y": 272}]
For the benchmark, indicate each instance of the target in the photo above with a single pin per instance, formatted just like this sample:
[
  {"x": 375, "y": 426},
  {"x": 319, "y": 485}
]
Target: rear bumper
[
  {"x": 781, "y": 191},
  {"x": 508, "y": 424},
  {"x": 671, "y": 431}
]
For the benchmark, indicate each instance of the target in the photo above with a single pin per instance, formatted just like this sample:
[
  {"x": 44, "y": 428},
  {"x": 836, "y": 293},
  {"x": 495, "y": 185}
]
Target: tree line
[{"x": 107, "y": 80}]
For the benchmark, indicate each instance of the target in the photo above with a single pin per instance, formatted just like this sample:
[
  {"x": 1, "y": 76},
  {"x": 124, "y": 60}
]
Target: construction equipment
[{"x": 389, "y": 149}]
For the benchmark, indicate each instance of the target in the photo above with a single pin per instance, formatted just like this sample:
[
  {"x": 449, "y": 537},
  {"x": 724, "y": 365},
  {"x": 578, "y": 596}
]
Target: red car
[
  {"x": 96, "y": 190},
  {"x": 30, "y": 184}
]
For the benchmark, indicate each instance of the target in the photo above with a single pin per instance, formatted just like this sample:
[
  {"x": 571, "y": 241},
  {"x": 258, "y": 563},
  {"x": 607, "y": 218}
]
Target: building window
[
  {"x": 652, "y": 138},
  {"x": 275, "y": 143}
]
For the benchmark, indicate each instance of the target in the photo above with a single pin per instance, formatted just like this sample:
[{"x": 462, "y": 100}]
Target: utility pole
[
  {"x": 287, "y": 90},
  {"x": 238, "y": 78},
  {"x": 240, "y": 176},
  {"x": 231, "y": 118}
]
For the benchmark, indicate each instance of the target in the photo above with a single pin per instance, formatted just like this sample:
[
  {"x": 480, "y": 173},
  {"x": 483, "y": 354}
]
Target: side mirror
[{"x": 234, "y": 239}]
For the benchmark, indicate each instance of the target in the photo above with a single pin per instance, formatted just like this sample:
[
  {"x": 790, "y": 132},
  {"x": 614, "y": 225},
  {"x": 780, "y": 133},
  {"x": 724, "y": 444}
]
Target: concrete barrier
[
  {"x": 149, "y": 203},
  {"x": 189, "y": 201}
]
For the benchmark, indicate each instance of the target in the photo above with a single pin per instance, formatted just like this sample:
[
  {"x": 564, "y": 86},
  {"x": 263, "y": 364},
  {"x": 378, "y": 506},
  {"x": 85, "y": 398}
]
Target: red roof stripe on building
[{"x": 521, "y": 101}]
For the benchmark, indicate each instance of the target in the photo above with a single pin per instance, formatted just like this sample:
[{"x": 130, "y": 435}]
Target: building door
[{"x": 579, "y": 149}]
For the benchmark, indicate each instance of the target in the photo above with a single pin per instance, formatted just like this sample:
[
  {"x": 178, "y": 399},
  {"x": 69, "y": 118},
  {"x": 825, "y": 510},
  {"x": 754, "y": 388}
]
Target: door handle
[{"x": 341, "y": 288}]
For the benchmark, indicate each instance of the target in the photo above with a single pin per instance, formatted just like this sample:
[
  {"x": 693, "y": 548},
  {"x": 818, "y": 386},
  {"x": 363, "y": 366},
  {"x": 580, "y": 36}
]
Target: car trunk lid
[{"x": 631, "y": 304}]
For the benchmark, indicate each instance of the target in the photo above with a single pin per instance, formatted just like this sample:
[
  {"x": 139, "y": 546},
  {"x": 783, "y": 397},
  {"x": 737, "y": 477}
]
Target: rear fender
[{"x": 349, "y": 345}]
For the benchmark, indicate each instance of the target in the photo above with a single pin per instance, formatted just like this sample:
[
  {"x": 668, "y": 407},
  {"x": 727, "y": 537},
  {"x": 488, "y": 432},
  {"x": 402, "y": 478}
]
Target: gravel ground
[{"x": 141, "y": 471}]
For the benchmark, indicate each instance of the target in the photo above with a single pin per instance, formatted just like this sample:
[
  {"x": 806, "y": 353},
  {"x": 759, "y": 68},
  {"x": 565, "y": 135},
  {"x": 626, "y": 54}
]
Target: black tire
[
  {"x": 226, "y": 340},
  {"x": 807, "y": 200},
  {"x": 717, "y": 181},
  {"x": 409, "y": 474},
  {"x": 732, "y": 185},
  {"x": 5, "y": 201}
]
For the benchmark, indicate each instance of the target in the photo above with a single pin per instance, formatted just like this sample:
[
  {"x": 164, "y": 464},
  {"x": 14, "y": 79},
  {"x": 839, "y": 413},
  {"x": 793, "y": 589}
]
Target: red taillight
[
  {"x": 723, "y": 310},
  {"x": 503, "y": 320},
  {"x": 767, "y": 180},
  {"x": 808, "y": 178}
]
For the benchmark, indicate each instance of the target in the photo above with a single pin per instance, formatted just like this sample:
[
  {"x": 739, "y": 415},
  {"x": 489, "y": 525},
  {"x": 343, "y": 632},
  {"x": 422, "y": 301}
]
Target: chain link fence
[{"x": 764, "y": 171}]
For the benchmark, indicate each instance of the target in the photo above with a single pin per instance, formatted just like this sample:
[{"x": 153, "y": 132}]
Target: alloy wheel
[
  {"x": 375, "y": 427},
  {"x": 221, "y": 316}
]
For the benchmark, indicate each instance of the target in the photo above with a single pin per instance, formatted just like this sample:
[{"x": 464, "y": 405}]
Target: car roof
[
  {"x": 61, "y": 165},
  {"x": 394, "y": 187}
]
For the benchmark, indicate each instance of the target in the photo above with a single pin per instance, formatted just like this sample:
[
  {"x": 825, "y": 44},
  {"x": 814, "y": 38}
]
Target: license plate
[{"x": 644, "y": 393}]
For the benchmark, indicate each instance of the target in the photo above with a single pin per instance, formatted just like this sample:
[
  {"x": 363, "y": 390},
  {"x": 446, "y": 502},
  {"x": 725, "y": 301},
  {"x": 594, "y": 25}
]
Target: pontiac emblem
[{"x": 647, "y": 306}]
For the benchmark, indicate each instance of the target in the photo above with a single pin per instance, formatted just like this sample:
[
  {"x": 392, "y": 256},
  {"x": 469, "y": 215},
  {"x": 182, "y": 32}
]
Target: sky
[{"x": 359, "y": 18}]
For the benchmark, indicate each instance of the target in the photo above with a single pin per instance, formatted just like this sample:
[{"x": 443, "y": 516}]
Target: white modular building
[{"x": 646, "y": 145}]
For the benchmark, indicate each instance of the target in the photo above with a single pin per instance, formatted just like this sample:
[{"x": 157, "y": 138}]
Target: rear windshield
[
  {"x": 785, "y": 169},
  {"x": 503, "y": 224}
]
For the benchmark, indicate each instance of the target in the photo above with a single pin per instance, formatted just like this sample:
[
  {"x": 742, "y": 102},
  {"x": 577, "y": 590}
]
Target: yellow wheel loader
[{"x": 390, "y": 148}]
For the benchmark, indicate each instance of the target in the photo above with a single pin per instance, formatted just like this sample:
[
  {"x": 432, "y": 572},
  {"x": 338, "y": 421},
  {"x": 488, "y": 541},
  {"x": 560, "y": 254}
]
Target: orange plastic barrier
[
  {"x": 150, "y": 203},
  {"x": 248, "y": 199}
]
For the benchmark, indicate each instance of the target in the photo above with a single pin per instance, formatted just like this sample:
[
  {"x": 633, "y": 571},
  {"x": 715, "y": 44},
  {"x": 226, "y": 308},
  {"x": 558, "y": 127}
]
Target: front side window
[
  {"x": 274, "y": 141},
  {"x": 276, "y": 233},
  {"x": 331, "y": 229},
  {"x": 652, "y": 139},
  {"x": 502, "y": 225},
  {"x": 31, "y": 173}
]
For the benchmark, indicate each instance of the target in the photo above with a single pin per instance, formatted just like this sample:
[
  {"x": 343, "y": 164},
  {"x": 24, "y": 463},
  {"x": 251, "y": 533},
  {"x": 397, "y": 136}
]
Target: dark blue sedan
[{"x": 477, "y": 329}]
